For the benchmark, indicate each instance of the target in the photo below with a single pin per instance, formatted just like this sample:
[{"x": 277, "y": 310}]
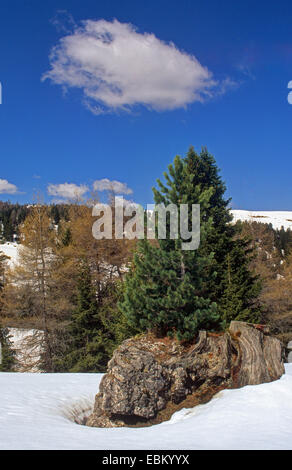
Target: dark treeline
[{"x": 13, "y": 215}]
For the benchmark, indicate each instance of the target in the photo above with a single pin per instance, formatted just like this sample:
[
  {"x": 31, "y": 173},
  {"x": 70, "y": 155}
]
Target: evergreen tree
[
  {"x": 11, "y": 217},
  {"x": 239, "y": 288},
  {"x": 67, "y": 237},
  {"x": 86, "y": 349},
  {"x": 164, "y": 288},
  {"x": 221, "y": 239},
  {"x": 55, "y": 214},
  {"x": 7, "y": 355},
  {"x": 171, "y": 290},
  {"x": 236, "y": 295},
  {"x": 96, "y": 328},
  {"x": 160, "y": 297},
  {"x": 115, "y": 327}
]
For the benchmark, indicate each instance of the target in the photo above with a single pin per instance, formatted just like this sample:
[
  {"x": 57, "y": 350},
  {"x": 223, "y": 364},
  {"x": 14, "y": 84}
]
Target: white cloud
[
  {"x": 7, "y": 188},
  {"x": 67, "y": 190},
  {"x": 121, "y": 201},
  {"x": 115, "y": 186},
  {"x": 63, "y": 21},
  {"x": 117, "y": 68}
]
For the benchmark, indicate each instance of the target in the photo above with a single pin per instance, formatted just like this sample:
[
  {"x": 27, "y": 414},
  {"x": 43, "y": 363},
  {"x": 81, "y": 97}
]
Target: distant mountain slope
[{"x": 278, "y": 219}]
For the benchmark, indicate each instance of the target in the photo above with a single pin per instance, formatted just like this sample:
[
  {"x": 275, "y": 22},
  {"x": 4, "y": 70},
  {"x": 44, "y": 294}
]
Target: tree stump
[{"x": 148, "y": 378}]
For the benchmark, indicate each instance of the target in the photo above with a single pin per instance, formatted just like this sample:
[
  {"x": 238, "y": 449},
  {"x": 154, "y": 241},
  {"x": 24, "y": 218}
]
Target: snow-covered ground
[
  {"x": 10, "y": 249},
  {"x": 278, "y": 219},
  {"x": 37, "y": 411}
]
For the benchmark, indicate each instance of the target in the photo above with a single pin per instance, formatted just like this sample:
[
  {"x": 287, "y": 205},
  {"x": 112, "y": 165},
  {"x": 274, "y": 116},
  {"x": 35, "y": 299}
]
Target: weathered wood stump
[{"x": 149, "y": 378}]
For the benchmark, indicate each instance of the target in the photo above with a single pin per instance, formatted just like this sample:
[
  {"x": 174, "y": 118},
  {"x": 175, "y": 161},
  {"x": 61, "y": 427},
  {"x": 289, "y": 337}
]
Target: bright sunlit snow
[
  {"x": 10, "y": 249},
  {"x": 278, "y": 219},
  {"x": 37, "y": 411}
]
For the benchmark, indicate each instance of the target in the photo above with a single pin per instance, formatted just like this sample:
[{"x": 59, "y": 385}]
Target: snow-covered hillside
[
  {"x": 37, "y": 411},
  {"x": 10, "y": 249},
  {"x": 278, "y": 219}
]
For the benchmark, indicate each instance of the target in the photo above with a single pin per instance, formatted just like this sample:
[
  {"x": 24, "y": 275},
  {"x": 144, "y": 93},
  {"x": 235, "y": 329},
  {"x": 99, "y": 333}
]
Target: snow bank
[
  {"x": 10, "y": 249},
  {"x": 278, "y": 219},
  {"x": 37, "y": 411}
]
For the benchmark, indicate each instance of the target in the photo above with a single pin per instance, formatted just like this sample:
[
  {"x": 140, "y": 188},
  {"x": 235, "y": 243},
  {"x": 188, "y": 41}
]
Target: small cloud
[
  {"x": 248, "y": 61},
  {"x": 67, "y": 190},
  {"x": 115, "y": 186},
  {"x": 63, "y": 21},
  {"x": 7, "y": 188},
  {"x": 117, "y": 68},
  {"x": 226, "y": 85},
  {"x": 245, "y": 70},
  {"x": 126, "y": 203}
]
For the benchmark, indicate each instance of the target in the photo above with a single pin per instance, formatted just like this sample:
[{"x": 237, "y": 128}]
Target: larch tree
[
  {"x": 34, "y": 271},
  {"x": 94, "y": 268}
]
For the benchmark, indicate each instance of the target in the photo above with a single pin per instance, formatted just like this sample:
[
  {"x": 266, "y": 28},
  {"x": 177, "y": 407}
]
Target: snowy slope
[
  {"x": 37, "y": 412},
  {"x": 278, "y": 219},
  {"x": 10, "y": 249}
]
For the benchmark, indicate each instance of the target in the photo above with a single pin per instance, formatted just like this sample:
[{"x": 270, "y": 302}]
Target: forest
[{"x": 86, "y": 296}]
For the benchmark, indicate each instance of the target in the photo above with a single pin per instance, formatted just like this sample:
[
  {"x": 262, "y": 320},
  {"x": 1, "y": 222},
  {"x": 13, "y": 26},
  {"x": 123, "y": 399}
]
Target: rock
[
  {"x": 289, "y": 346},
  {"x": 289, "y": 359},
  {"x": 148, "y": 378}
]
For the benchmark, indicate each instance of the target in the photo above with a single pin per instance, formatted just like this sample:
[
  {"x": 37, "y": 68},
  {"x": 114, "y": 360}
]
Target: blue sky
[{"x": 121, "y": 113}]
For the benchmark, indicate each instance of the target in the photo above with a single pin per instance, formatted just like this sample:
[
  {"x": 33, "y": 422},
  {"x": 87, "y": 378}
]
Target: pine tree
[
  {"x": 236, "y": 295},
  {"x": 238, "y": 288},
  {"x": 96, "y": 328},
  {"x": 7, "y": 354},
  {"x": 164, "y": 288},
  {"x": 115, "y": 328},
  {"x": 170, "y": 290},
  {"x": 86, "y": 351},
  {"x": 159, "y": 297},
  {"x": 67, "y": 237}
]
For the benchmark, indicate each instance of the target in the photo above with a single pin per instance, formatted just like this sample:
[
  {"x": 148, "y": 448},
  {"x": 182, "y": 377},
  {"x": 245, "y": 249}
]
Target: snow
[
  {"x": 37, "y": 411},
  {"x": 10, "y": 249},
  {"x": 27, "y": 346},
  {"x": 278, "y": 219}
]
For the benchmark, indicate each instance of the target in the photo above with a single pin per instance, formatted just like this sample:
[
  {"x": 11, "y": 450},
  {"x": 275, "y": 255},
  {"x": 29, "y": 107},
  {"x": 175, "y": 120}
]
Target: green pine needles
[
  {"x": 7, "y": 353},
  {"x": 161, "y": 296},
  {"x": 176, "y": 292}
]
